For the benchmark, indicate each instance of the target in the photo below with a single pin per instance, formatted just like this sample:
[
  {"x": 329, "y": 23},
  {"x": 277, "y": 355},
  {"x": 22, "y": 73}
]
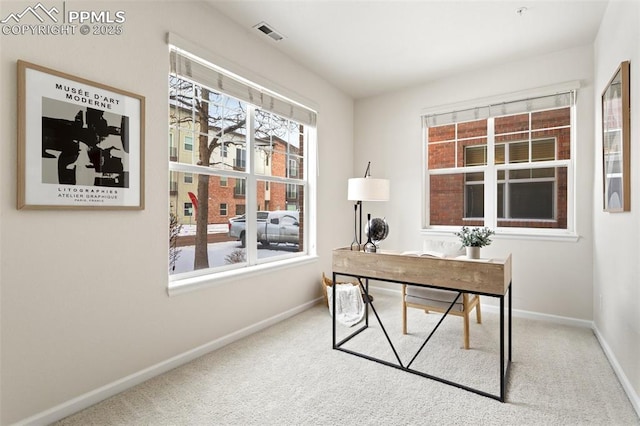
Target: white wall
[
  {"x": 616, "y": 258},
  {"x": 84, "y": 300},
  {"x": 549, "y": 277}
]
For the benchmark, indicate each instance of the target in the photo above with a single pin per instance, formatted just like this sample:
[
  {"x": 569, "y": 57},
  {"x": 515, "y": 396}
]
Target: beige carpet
[{"x": 289, "y": 375}]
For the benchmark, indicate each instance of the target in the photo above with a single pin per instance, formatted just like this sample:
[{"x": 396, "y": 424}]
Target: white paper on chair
[{"x": 349, "y": 304}]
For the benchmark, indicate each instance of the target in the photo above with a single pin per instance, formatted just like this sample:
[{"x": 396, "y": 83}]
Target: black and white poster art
[{"x": 81, "y": 143}]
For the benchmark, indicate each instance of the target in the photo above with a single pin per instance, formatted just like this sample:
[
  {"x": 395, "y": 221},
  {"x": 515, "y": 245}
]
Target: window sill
[
  {"x": 511, "y": 234},
  {"x": 186, "y": 285}
]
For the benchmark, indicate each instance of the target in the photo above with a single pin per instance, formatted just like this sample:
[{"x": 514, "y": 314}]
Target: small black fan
[{"x": 376, "y": 230}]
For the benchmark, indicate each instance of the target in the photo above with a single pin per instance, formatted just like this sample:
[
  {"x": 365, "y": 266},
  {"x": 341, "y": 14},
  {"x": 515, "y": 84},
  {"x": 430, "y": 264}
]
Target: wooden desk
[{"x": 489, "y": 278}]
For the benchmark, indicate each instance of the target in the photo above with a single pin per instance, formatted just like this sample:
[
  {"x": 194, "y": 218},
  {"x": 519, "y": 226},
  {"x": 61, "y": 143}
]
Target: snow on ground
[{"x": 214, "y": 228}]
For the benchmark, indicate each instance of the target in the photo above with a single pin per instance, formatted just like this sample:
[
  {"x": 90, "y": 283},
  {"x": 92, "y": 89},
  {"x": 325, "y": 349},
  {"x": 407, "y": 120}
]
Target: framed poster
[
  {"x": 616, "y": 126},
  {"x": 80, "y": 143}
]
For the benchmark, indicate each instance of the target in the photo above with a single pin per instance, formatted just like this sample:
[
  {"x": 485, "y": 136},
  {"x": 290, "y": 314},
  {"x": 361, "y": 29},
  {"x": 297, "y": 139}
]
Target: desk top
[{"x": 475, "y": 276}]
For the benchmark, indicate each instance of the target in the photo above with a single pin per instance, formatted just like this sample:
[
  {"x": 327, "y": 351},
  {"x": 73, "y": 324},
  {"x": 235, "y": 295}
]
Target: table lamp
[{"x": 365, "y": 189}]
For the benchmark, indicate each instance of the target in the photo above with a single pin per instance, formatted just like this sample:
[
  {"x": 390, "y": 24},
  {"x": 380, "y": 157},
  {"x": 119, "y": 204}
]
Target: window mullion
[
  {"x": 530, "y": 137},
  {"x": 490, "y": 178},
  {"x": 571, "y": 177},
  {"x": 455, "y": 146},
  {"x": 192, "y": 129},
  {"x": 426, "y": 177},
  {"x": 250, "y": 189}
]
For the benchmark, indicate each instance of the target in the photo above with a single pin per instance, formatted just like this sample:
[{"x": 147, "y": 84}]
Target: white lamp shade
[{"x": 368, "y": 189}]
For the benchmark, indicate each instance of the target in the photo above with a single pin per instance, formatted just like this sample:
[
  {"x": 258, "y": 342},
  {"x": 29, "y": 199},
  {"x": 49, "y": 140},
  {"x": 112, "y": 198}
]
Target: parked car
[
  {"x": 237, "y": 226},
  {"x": 280, "y": 226}
]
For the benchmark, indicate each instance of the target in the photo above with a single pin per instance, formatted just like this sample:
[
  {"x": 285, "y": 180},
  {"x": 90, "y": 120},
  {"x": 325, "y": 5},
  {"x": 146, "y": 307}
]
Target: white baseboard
[
  {"x": 90, "y": 398},
  {"x": 556, "y": 319},
  {"x": 515, "y": 312},
  {"x": 624, "y": 381}
]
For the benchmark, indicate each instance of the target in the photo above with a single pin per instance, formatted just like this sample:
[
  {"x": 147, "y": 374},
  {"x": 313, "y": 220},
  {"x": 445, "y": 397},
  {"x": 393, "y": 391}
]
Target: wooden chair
[{"x": 435, "y": 300}]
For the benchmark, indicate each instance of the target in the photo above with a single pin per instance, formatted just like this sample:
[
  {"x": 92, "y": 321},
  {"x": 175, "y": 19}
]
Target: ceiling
[{"x": 370, "y": 47}]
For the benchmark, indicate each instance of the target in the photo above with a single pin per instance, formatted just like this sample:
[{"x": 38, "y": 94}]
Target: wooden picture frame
[
  {"x": 80, "y": 143},
  {"x": 616, "y": 141}
]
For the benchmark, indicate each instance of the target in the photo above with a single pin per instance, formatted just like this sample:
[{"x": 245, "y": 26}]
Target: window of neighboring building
[
  {"x": 250, "y": 156},
  {"x": 292, "y": 192},
  {"x": 240, "y": 162},
  {"x": 504, "y": 166},
  {"x": 173, "y": 183},
  {"x": 173, "y": 150},
  {"x": 293, "y": 167},
  {"x": 188, "y": 209},
  {"x": 240, "y": 190},
  {"x": 188, "y": 143}
]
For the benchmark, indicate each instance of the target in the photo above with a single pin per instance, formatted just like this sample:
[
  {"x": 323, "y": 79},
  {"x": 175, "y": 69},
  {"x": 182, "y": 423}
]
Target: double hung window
[
  {"x": 235, "y": 148},
  {"x": 505, "y": 165}
]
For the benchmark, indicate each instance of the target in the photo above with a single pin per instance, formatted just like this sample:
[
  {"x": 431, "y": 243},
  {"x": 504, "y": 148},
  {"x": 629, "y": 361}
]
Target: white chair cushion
[{"x": 433, "y": 297}]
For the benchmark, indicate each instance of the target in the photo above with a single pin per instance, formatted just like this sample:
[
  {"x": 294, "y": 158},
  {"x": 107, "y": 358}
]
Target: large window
[
  {"x": 243, "y": 150},
  {"x": 503, "y": 166}
]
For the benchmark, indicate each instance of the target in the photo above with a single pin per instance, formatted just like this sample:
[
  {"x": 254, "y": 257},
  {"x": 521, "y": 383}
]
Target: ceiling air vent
[{"x": 268, "y": 30}]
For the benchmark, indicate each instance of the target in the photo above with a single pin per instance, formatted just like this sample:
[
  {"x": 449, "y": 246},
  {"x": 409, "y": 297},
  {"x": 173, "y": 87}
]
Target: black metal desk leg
[
  {"x": 510, "y": 307},
  {"x": 502, "y": 378},
  {"x": 333, "y": 309},
  {"x": 366, "y": 307}
]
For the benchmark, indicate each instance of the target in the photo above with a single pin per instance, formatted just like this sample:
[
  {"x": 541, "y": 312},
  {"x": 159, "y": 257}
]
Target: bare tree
[{"x": 174, "y": 231}]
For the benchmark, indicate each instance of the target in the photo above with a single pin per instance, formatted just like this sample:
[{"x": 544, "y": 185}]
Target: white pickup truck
[{"x": 281, "y": 226}]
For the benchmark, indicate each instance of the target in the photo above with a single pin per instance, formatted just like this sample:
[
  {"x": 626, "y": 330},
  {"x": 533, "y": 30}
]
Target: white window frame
[
  {"x": 490, "y": 170},
  {"x": 212, "y": 277}
]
